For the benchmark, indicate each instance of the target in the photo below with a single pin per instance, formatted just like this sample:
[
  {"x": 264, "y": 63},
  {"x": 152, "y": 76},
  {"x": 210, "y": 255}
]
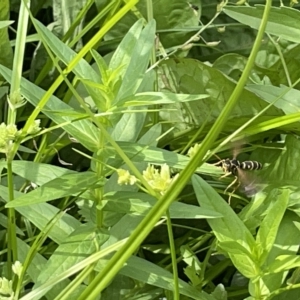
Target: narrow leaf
[
  {"x": 283, "y": 21},
  {"x": 284, "y": 263},
  {"x": 138, "y": 63},
  {"x": 130, "y": 202},
  {"x": 269, "y": 227},
  {"x": 150, "y": 98},
  {"x": 66, "y": 185}
]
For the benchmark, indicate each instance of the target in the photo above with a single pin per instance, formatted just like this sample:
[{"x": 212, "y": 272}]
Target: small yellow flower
[
  {"x": 125, "y": 177},
  {"x": 17, "y": 268},
  {"x": 11, "y": 131},
  {"x": 6, "y": 287},
  {"x": 34, "y": 128},
  {"x": 192, "y": 151},
  {"x": 161, "y": 180},
  {"x": 3, "y": 131},
  {"x": 16, "y": 100},
  {"x": 3, "y": 137},
  {"x": 2, "y": 142}
]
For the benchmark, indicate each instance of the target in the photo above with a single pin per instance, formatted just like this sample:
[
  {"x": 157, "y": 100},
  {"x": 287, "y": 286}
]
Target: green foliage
[
  {"x": 252, "y": 15},
  {"x": 109, "y": 138}
]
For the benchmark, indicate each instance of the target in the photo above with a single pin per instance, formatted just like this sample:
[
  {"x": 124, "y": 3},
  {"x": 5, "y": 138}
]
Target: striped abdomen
[{"x": 250, "y": 165}]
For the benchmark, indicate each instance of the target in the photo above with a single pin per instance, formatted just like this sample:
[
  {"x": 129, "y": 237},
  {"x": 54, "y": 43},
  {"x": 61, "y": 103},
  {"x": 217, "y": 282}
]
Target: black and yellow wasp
[{"x": 237, "y": 169}]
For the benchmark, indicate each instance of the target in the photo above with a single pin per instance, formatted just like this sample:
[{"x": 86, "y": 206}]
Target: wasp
[
  {"x": 231, "y": 166},
  {"x": 237, "y": 168}
]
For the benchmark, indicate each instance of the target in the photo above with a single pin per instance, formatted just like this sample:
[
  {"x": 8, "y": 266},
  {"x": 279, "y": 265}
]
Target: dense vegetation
[{"x": 114, "y": 116}]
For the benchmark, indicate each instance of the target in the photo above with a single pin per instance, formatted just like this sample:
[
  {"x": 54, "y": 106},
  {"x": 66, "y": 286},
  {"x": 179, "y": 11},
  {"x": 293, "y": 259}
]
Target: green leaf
[
  {"x": 85, "y": 240},
  {"x": 243, "y": 260},
  {"x": 195, "y": 77},
  {"x": 282, "y": 21},
  {"x": 130, "y": 202},
  {"x": 65, "y": 53},
  {"x": 220, "y": 292},
  {"x": 122, "y": 229},
  {"x": 122, "y": 55},
  {"x": 66, "y": 185},
  {"x": 288, "y": 102},
  {"x": 283, "y": 171},
  {"x": 84, "y": 130},
  {"x": 6, "y": 55},
  {"x": 142, "y": 270},
  {"x": 128, "y": 127},
  {"x": 41, "y": 214},
  {"x": 26, "y": 150},
  {"x": 234, "y": 247},
  {"x": 268, "y": 230},
  {"x": 145, "y": 271},
  {"x": 229, "y": 228},
  {"x": 176, "y": 21},
  {"x": 231, "y": 64},
  {"x": 38, "y": 173},
  {"x": 150, "y": 98},
  {"x": 4, "y": 222},
  {"x": 122, "y": 285},
  {"x": 4, "y": 24},
  {"x": 140, "y": 153},
  {"x": 151, "y": 136},
  {"x": 102, "y": 66},
  {"x": 286, "y": 243},
  {"x": 284, "y": 263},
  {"x": 138, "y": 64},
  {"x": 37, "y": 263}
]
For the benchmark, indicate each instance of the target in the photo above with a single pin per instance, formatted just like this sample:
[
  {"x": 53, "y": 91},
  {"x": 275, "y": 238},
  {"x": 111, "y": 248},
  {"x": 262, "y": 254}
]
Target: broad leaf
[
  {"x": 282, "y": 21},
  {"x": 229, "y": 228},
  {"x": 288, "y": 102}
]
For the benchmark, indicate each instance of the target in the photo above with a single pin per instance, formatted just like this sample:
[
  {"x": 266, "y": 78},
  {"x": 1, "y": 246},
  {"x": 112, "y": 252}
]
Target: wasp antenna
[
  {"x": 219, "y": 158},
  {"x": 236, "y": 149}
]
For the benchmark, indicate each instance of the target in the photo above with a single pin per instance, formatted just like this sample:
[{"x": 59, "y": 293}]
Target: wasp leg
[
  {"x": 218, "y": 164},
  {"x": 235, "y": 188},
  {"x": 232, "y": 183},
  {"x": 225, "y": 175}
]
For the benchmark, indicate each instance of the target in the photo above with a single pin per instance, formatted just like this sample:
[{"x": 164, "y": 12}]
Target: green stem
[
  {"x": 12, "y": 252},
  {"x": 257, "y": 290},
  {"x": 173, "y": 257},
  {"x": 11, "y": 119},
  {"x": 284, "y": 289},
  {"x": 190, "y": 40},
  {"x": 136, "y": 238},
  {"x": 155, "y": 114},
  {"x": 18, "y": 61},
  {"x": 65, "y": 293},
  {"x": 285, "y": 68},
  {"x": 92, "y": 42},
  {"x": 99, "y": 192}
]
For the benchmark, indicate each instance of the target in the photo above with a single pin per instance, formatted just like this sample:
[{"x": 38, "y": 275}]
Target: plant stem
[
  {"x": 136, "y": 238},
  {"x": 173, "y": 257}
]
